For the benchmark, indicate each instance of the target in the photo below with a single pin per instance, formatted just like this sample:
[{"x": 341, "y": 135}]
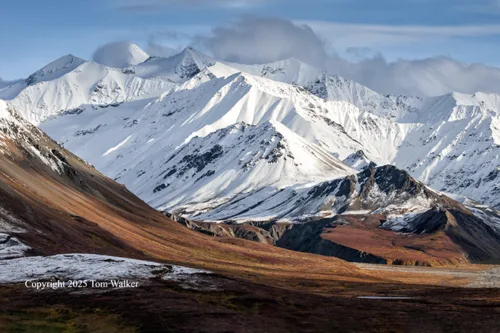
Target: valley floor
[
  {"x": 242, "y": 306},
  {"x": 473, "y": 276}
]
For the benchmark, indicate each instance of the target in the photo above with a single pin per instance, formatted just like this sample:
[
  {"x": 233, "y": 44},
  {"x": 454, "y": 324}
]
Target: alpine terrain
[
  {"x": 144, "y": 194},
  {"x": 273, "y": 148}
]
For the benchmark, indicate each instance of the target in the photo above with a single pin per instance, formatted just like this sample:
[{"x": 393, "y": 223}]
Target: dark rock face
[
  {"x": 428, "y": 222},
  {"x": 159, "y": 188},
  {"x": 187, "y": 71},
  {"x": 200, "y": 161},
  {"x": 493, "y": 175},
  {"x": 389, "y": 178},
  {"x": 480, "y": 241}
]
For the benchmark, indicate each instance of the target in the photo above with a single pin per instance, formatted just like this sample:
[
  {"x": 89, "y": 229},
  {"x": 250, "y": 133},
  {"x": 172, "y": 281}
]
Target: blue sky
[{"x": 36, "y": 32}]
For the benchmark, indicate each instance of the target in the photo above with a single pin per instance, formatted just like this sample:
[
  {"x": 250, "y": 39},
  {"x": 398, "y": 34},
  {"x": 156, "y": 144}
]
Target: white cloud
[
  {"x": 158, "y": 50},
  {"x": 426, "y": 77},
  {"x": 119, "y": 54},
  {"x": 258, "y": 40}
]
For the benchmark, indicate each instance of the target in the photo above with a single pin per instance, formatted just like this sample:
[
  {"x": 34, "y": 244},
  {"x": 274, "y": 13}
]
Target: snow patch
[
  {"x": 11, "y": 247},
  {"x": 87, "y": 267},
  {"x": 110, "y": 150}
]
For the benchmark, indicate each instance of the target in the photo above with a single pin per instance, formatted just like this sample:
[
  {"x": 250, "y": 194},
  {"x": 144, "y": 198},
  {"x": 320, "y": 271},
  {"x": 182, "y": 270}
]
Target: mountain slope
[
  {"x": 455, "y": 147},
  {"x": 138, "y": 145},
  {"x": 238, "y": 159},
  {"x": 56, "y": 203}
]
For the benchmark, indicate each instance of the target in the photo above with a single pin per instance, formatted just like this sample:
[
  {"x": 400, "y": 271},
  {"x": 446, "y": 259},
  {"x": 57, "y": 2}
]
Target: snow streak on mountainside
[{"x": 180, "y": 129}]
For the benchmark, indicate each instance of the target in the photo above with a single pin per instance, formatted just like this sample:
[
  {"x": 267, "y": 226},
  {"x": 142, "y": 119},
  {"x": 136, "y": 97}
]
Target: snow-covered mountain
[
  {"x": 69, "y": 83},
  {"x": 455, "y": 147},
  {"x": 209, "y": 119},
  {"x": 186, "y": 147}
]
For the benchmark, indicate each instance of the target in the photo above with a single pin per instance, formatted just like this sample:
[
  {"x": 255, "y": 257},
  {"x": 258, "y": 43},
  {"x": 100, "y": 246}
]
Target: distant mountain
[
  {"x": 159, "y": 106},
  {"x": 69, "y": 83}
]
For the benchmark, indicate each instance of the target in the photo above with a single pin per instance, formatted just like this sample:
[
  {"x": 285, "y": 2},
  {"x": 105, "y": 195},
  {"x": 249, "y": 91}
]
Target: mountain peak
[
  {"x": 191, "y": 55},
  {"x": 358, "y": 161},
  {"x": 189, "y": 50},
  {"x": 177, "y": 68},
  {"x": 55, "y": 69}
]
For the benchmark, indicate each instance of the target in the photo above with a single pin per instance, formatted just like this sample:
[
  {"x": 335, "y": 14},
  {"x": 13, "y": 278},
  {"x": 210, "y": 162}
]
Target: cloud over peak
[
  {"x": 260, "y": 40},
  {"x": 119, "y": 54}
]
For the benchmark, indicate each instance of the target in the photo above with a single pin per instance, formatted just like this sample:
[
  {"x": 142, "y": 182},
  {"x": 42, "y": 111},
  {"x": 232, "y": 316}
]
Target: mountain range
[{"x": 284, "y": 144}]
